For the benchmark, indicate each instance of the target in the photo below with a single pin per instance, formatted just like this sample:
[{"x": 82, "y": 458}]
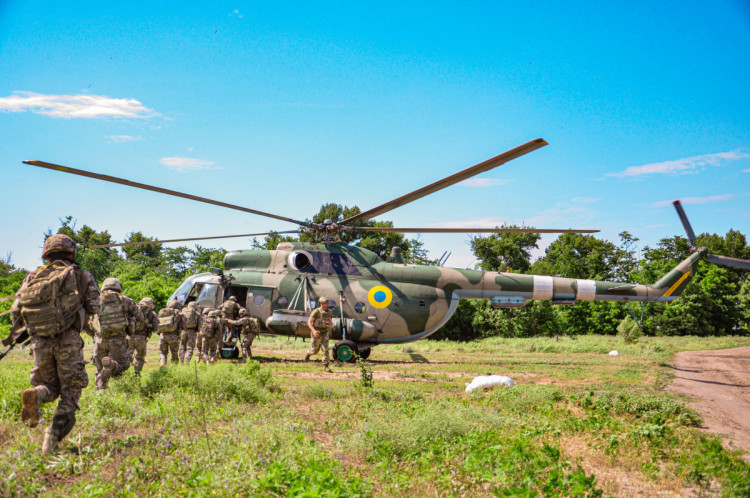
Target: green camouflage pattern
[{"x": 389, "y": 302}]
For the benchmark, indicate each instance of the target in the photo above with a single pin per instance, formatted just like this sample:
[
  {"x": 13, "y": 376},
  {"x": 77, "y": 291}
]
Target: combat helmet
[
  {"x": 174, "y": 304},
  {"x": 147, "y": 301},
  {"x": 232, "y": 298},
  {"x": 192, "y": 304},
  {"x": 243, "y": 312},
  {"x": 58, "y": 243},
  {"x": 214, "y": 314},
  {"x": 112, "y": 284}
]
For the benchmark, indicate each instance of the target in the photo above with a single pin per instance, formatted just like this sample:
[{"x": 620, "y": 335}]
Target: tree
[
  {"x": 147, "y": 254},
  {"x": 505, "y": 251},
  {"x": 100, "y": 262},
  {"x": 10, "y": 281}
]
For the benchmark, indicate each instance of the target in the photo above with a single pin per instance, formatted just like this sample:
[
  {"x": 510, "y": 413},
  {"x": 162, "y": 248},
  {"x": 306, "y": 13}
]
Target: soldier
[
  {"x": 193, "y": 320},
  {"x": 210, "y": 333},
  {"x": 250, "y": 328},
  {"x": 144, "y": 327},
  {"x": 229, "y": 309},
  {"x": 54, "y": 324},
  {"x": 320, "y": 324},
  {"x": 115, "y": 322},
  {"x": 171, "y": 324},
  {"x": 199, "y": 338}
]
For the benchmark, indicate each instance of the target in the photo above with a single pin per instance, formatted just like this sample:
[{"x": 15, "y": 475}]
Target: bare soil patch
[{"x": 719, "y": 382}]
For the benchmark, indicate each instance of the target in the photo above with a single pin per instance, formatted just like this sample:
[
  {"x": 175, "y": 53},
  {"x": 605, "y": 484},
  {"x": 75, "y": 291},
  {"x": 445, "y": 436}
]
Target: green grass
[{"x": 579, "y": 422}]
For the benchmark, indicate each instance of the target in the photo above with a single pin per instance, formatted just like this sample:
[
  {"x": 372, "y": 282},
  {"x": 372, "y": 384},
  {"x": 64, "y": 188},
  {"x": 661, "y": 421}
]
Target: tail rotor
[{"x": 742, "y": 264}]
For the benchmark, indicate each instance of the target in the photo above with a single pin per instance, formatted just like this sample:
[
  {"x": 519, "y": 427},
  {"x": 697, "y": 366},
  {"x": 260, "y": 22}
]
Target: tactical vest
[
  {"x": 325, "y": 321},
  {"x": 113, "y": 319},
  {"x": 191, "y": 317},
  {"x": 168, "y": 320},
  {"x": 140, "y": 323},
  {"x": 50, "y": 302},
  {"x": 229, "y": 307}
]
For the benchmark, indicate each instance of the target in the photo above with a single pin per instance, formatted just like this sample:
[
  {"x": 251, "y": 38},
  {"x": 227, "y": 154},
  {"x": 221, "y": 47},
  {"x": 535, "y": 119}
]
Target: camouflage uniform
[
  {"x": 171, "y": 324},
  {"x": 59, "y": 369},
  {"x": 250, "y": 328},
  {"x": 229, "y": 310},
  {"x": 323, "y": 322},
  {"x": 193, "y": 320},
  {"x": 113, "y": 325},
  {"x": 210, "y": 332},
  {"x": 144, "y": 327},
  {"x": 199, "y": 336}
]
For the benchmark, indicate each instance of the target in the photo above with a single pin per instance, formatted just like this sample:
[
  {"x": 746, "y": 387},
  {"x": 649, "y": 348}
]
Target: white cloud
[
  {"x": 75, "y": 106},
  {"x": 236, "y": 13},
  {"x": 118, "y": 139},
  {"x": 683, "y": 166},
  {"x": 183, "y": 164},
  {"x": 697, "y": 200},
  {"x": 483, "y": 182}
]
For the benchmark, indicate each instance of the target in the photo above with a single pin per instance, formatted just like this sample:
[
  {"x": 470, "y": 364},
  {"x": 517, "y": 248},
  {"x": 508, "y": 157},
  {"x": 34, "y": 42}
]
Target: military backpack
[
  {"x": 191, "y": 317},
  {"x": 168, "y": 320},
  {"x": 210, "y": 324},
  {"x": 140, "y": 323},
  {"x": 51, "y": 301},
  {"x": 113, "y": 320}
]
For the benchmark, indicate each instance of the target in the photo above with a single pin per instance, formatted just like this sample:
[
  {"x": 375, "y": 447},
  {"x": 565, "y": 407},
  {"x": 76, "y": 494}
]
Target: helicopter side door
[{"x": 258, "y": 302}]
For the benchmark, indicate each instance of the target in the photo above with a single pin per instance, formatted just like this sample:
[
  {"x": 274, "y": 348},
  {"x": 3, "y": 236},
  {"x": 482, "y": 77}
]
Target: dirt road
[{"x": 719, "y": 382}]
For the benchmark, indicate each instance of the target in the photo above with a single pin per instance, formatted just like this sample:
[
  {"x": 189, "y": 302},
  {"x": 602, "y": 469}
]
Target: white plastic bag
[
  {"x": 614, "y": 353},
  {"x": 487, "y": 381}
]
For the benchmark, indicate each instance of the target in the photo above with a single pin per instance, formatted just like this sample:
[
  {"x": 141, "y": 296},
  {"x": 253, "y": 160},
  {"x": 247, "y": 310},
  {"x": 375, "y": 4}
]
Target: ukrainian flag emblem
[{"x": 380, "y": 296}]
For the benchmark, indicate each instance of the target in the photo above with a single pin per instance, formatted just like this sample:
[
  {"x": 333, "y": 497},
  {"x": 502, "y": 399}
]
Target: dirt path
[{"x": 719, "y": 382}]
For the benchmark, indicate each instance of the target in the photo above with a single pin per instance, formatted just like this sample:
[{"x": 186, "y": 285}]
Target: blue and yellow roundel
[{"x": 380, "y": 296}]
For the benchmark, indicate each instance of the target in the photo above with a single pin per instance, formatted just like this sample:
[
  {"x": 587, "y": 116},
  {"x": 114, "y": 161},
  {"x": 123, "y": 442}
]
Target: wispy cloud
[
  {"x": 697, "y": 200},
  {"x": 184, "y": 164},
  {"x": 236, "y": 13},
  {"x": 683, "y": 166},
  {"x": 483, "y": 182},
  {"x": 75, "y": 106},
  {"x": 118, "y": 139}
]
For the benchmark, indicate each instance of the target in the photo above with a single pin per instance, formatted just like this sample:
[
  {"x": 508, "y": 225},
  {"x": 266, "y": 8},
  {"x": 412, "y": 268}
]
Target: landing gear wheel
[
  {"x": 345, "y": 351},
  {"x": 231, "y": 353},
  {"x": 365, "y": 353}
]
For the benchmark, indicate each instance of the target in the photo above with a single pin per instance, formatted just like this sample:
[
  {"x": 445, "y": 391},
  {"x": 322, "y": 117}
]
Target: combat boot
[
  {"x": 51, "y": 442},
  {"x": 30, "y": 412},
  {"x": 162, "y": 362},
  {"x": 307, "y": 357},
  {"x": 327, "y": 369}
]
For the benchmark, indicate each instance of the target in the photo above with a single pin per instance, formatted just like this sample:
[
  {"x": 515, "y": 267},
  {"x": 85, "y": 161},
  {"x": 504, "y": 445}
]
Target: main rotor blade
[
  {"x": 473, "y": 230},
  {"x": 450, "y": 180},
  {"x": 7, "y": 298},
  {"x": 122, "y": 181},
  {"x": 743, "y": 264},
  {"x": 146, "y": 242},
  {"x": 685, "y": 222}
]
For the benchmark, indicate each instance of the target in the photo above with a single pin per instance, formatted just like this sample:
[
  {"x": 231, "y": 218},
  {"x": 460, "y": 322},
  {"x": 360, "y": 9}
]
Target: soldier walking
[
  {"x": 210, "y": 332},
  {"x": 144, "y": 327},
  {"x": 229, "y": 310},
  {"x": 193, "y": 320},
  {"x": 171, "y": 324},
  {"x": 320, "y": 324},
  {"x": 199, "y": 337},
  {"x": 250, "y": 328},
  {"x": 115, "y": 322},
  {"x": 54, "y": 304}
]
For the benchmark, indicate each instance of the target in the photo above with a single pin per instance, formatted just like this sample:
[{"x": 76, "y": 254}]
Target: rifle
[{"x": 18, "y": 335}]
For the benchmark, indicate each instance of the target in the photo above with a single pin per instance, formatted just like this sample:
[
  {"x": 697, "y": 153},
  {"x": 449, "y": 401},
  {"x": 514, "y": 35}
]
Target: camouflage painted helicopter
[{"x": 386, "y": 302}]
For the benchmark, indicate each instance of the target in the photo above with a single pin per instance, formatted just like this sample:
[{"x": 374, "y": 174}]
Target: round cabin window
[
  {"x": 283, "y": 301},
  {"x": 300, "y": 260},
  {"x": 258, "y": 300},
  {"x": 360, "y": 307}
]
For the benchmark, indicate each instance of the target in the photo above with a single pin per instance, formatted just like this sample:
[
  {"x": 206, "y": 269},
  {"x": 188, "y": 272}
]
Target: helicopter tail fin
[{"x": 676, "y": 280}]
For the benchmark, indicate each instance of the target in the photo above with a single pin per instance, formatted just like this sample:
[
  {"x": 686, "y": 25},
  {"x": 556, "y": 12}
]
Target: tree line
[{"x": 716, "y": 302}]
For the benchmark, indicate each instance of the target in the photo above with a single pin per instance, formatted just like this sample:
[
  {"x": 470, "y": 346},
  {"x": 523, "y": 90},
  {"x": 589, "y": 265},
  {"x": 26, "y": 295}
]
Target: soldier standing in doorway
[
  {"x": 250, "y": 328},
  {"x": 193, "y": 320},
  {"x": 171, "y": 324},
  {"x": 320, "y": 324},
  {"x": 144, "y": 327},
  {"x": 54, "y": 304},
  {"x": 115, "y": 322}
]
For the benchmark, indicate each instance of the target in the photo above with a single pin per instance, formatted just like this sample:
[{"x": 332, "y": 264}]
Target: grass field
[{"x": 578, "y": 422}]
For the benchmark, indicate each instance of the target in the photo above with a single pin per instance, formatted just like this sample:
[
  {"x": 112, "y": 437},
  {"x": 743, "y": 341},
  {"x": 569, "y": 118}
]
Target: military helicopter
[{"x": 386, "y": 302}]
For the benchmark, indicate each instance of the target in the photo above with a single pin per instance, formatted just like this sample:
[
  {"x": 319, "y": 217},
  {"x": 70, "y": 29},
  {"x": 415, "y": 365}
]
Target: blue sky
[{"x": 284, "y": 108}]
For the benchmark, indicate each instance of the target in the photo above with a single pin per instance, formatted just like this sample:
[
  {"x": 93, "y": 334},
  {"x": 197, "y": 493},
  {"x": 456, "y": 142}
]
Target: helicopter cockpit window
[
  {"x": 208, "y": 295},
  {"x": 182, "y": 292}
]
